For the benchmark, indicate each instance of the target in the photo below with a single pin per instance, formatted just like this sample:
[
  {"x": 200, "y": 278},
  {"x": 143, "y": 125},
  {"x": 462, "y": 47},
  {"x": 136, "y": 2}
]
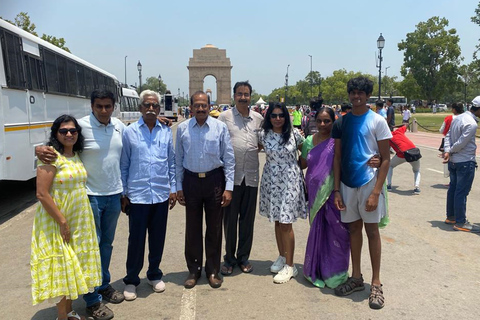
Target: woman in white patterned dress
[{"x": 282, "y": 197}]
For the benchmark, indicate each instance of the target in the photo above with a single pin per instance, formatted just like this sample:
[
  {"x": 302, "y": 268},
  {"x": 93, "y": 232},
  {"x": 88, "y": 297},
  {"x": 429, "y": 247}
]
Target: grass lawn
[{"x": 428, "y": 122}]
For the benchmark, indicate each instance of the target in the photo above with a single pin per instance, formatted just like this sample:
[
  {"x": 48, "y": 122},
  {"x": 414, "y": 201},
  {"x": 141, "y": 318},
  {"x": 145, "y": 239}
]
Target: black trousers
[
  {"x": 240, "y": 215},
  {"x": 203, "y": 194},
  {"x": 143, "y": 217}
]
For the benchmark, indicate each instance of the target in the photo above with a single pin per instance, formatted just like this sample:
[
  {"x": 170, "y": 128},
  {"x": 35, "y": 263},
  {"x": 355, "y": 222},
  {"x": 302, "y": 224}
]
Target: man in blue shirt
[
  {"x": 205, "y": 165},
  {"x": 149, "y": 186}
]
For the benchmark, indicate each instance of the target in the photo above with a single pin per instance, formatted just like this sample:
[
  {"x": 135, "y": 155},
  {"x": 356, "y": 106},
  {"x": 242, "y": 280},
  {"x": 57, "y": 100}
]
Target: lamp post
[
  {"x": 126, "y": 71},
  {"x": 286, "y": 85},
  {"x": 139, "y": 68},
  {"x": 386, "y": 74},
  {"x": 380, "y": 46},
  {"x": 159, "y": 83},
  {"x": 311, "y": 78}
]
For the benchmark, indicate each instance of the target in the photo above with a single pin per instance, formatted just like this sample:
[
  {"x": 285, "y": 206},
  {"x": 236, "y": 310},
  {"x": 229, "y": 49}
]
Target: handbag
[
  {"x": 297, "y": 155},
  {"x": 412, "y": 155}
]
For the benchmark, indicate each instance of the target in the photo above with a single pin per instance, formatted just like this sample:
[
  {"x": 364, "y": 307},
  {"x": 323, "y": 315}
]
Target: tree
[
  {"x": 334, "y": 88},
  {"x": 152, "y": 83},
  {"x": 432, "y": 56},
  {"x": 409, "y": 88},
  {"x": 22, "y": 20},
  {"x": 476, "y": 20}
]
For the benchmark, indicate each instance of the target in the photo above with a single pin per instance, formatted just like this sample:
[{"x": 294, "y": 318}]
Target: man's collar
[
  {"x": 473, "y": 115},
  {"x": 237, "y": 113},
  {"x": 194, "y": 122},
  {"x": 141, "y": 122}
]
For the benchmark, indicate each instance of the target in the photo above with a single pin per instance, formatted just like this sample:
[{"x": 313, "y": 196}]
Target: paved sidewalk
[{"x": 430, "y": 140}]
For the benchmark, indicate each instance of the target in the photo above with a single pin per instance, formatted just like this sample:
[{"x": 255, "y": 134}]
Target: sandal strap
[{"x": 73, "y": 314}]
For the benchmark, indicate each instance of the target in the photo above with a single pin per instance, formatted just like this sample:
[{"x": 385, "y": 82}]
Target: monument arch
[{"x": 211, "y": 61}]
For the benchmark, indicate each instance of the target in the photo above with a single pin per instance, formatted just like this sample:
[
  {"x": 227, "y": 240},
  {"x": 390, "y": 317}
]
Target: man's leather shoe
[
  {"x": 191, "y": 281},
  {"x": 215, "y": 281}
]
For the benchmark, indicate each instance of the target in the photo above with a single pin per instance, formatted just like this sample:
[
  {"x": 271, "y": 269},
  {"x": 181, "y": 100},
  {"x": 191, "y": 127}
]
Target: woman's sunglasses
[
  {"x": 277, "y": 115},
  {"x": 73, "y": 131}
]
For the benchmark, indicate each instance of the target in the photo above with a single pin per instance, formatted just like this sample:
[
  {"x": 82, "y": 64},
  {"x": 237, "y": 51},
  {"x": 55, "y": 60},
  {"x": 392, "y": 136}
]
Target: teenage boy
[{"x": 359, "y": 136}]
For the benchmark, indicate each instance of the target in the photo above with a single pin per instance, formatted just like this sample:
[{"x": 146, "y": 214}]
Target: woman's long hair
[
  {"x": 53, "y": 141},
  {"x": 287, "y": 125}
]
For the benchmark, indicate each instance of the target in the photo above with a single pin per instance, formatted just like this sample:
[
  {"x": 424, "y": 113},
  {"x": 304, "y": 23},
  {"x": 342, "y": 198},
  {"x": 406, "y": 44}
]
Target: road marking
[
  {"x": 189, "y": 304},
  {"x": 437, "y": 171}
]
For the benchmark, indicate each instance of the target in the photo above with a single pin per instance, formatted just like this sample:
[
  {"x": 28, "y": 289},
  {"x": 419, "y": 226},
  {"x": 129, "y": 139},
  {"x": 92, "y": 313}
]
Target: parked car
[{"x": 441, "y": 107}]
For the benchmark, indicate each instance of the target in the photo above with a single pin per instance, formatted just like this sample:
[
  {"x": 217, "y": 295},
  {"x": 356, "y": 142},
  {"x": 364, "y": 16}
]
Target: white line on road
[
  {"x": 437, "y": 171},
  {"x": 189, "y": 304}
]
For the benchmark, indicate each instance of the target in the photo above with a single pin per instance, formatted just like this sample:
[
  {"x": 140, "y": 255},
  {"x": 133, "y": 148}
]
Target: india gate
[{"x": 211, "y": 61}]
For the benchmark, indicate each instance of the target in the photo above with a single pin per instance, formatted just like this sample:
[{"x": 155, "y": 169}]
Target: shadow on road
[
  {"x": 439, "y": 186},
  {"x": 441, "y": 225},
  {"x": 16, "y": 196}
]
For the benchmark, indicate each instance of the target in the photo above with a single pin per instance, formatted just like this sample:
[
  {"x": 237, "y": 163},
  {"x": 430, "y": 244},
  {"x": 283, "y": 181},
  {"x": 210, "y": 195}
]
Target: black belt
[{"x": 203, "y": 174}]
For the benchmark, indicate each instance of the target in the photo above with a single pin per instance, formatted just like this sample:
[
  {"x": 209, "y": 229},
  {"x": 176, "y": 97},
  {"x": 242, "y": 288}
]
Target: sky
[{"x": 261, "y": 38}]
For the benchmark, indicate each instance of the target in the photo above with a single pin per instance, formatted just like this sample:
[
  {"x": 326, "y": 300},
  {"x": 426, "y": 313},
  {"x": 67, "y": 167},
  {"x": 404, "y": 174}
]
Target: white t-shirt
[
  {"x": 406, "y": 115},
  {"x": 101, "y": 155}
]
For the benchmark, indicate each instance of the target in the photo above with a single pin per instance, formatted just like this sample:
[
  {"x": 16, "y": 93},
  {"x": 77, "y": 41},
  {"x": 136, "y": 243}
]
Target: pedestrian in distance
[
  {"x": 401, "y": 143},
  {"x": 390, "y": 114},
  {"x": 297, "y": 117},
  {"x": 149, "y": 191},
  {"x": 65, "y": 258},
  {"x": 460, "y": 151},
  {"x": 205, "y": 164},
  {"x": 360, "y": 135},
  {"x": 242, "y": 124},
  {"x": 282, "y": 196}
]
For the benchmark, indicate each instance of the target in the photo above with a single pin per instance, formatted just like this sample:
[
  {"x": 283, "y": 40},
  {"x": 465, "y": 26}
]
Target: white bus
[
  {"x": 129, "y": 103},
  {"x": 38, "y": 83},
  {"x": 397, "y": 100},
  {"x": 169, "y": 107}
]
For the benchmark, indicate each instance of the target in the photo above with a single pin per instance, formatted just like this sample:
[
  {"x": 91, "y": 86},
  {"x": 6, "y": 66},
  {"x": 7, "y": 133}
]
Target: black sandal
[
  {"x": 350, "y": 286},
  {"x": 226, "y": 269}
]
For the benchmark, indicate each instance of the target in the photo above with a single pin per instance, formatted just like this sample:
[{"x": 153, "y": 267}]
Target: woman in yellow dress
[{"x": 65, "y": 258}]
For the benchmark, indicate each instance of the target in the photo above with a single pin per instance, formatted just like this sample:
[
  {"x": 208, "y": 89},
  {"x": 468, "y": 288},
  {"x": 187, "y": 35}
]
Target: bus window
[
  {"x": 168, "y": 103},
  {"x": 62, "y": 74},
  {"x": 13, "y": 61}
]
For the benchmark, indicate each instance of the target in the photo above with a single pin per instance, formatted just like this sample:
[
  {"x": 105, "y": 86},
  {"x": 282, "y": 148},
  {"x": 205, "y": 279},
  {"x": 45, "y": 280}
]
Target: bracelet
[{"x": 336, "y": 190}]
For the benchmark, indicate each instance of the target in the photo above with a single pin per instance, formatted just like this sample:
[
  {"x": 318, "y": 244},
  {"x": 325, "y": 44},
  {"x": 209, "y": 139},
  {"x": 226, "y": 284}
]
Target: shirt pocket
[
  {"x": 212, "y": 147},
  {"x": 161, "y": 151}
]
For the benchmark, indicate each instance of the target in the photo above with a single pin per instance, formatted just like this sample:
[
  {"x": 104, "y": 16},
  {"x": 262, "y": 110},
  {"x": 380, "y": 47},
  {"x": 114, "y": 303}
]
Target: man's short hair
[
  {"x": 346, "y": 106},
  {"x": 458, "y": 106},
  {"x": 149, "y": 93},
  {"x": 379, "y": 103},
  {"x": 102, "y": 94},
  {"x": 390, "y": 100},
  {"x": 199, "y": 92},
  {"x": 361, "y": 84},
  {"x": 316, "y": 103},
  {"x": 242, "y": 84}
]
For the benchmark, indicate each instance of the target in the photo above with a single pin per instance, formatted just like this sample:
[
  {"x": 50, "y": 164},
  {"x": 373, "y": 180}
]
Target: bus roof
[
  {"x": 127, "y": 92},
  {"x": 26, "y": 35}
]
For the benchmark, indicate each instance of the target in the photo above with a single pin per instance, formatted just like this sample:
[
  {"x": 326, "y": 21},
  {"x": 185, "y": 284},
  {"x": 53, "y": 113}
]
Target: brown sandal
[
  {"x": 376, "y": 299},
  {"x": 350, "y": 286}
]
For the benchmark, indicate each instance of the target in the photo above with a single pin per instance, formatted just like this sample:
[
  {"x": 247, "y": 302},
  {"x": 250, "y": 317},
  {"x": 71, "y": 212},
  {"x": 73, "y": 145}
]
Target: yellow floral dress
[{"x": 62, "y": 269}]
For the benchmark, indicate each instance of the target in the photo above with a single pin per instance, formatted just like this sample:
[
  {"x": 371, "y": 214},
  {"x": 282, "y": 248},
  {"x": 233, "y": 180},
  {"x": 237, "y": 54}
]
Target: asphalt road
[{"x": 428, "y": 270}]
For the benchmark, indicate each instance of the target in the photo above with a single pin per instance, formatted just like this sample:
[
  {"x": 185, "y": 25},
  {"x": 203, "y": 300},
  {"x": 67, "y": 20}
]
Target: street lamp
[
  {"x": 159, "y": 82},
  {"x": 380, "y": 46},
  {"x": 286, "y": 85},
  {"x": 386, "y": 74},
  {"x": 126, "y": 71},
  {"x": 139, "y": 68},
  {"x": 311, "y": 78}
]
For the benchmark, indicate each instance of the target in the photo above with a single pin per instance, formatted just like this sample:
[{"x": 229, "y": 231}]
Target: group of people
[{"x": 96, "y": 167}]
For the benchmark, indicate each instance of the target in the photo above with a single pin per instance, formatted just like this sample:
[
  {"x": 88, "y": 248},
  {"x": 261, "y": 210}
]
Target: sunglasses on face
[
  {"x": 148, "y": 105},
  {"x": 277, "y": 115},
  {"x": 63, "y": 131},
  {"x": 326, "y": 121}
]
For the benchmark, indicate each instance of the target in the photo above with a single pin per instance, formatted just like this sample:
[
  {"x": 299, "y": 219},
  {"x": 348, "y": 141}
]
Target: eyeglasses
[
  {"x": 240, "y": 94},
  {"x": 326, "y": 121},
  {"x": 63, "y": 131},
  {"x": 149, "y": 105},
  {"x": 277, "y": 115}
]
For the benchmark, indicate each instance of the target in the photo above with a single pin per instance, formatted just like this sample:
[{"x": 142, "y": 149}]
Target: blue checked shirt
[
  {"x": 148, "y": 163},
  {"x": 204, "y": 148}
]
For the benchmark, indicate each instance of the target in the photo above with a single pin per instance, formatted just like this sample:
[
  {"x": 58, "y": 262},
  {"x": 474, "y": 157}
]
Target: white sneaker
[
  {"x": 130, "y": 292},
  {"x": 278, "y": 264},
  {"x": 285, "y": 274},
  {"x": 157, "y": 285}
]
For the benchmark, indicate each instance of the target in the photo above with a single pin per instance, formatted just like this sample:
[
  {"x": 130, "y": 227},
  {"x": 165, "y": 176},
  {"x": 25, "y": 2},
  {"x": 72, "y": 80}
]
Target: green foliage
[
  {"x": 476, "y": 20},
  {"x": 152, "y": 83},
  {"x": 432, "y": 56},
  {"x": 22, "y": 20}
]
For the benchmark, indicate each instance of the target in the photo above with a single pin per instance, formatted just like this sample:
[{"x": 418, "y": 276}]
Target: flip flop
[
  {"x": 246, "y": 267},
  {"x": 226, "y": 269}
]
